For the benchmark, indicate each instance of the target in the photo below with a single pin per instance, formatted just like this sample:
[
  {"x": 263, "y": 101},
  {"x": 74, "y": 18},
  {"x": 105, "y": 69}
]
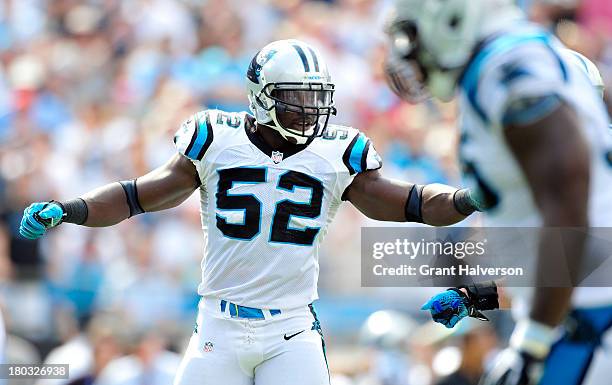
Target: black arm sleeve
[
  {"x": 483, "y": 295},
  {"x": 414, "y": 204},
  {"x": 131, "y": 196},
  {"x": 75, "y": 211}
]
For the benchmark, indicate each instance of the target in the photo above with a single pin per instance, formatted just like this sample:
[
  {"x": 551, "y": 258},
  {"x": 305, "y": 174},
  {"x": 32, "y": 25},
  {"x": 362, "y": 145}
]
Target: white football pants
[{"x": 241, "y": 351}]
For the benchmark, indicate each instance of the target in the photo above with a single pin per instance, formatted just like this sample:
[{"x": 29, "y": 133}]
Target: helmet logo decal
[{"x": 257, "y": 64}]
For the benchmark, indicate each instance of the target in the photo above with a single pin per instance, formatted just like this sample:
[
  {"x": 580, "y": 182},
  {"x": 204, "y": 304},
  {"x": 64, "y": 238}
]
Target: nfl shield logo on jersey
[
  {"x": 277, "y": 156},
  {"x": 208, "y": 347}
]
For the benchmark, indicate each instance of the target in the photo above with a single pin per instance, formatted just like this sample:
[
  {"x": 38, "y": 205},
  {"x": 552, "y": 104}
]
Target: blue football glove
[
  {"x": 38, "y": 217},
  {"x": 452, "y": 305},
  {"x": 448, "y": 307}
]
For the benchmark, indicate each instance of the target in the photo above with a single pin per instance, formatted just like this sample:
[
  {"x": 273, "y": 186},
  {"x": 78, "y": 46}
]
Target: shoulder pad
[{"x": 194, "y": 136}]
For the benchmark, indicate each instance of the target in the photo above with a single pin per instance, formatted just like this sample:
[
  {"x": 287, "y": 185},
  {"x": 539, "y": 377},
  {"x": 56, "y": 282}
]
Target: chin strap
[{"x": 283, "y": 132}]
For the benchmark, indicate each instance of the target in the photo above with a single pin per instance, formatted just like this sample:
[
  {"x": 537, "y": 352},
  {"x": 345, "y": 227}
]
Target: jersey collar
[{"x": 263, "y": 146}]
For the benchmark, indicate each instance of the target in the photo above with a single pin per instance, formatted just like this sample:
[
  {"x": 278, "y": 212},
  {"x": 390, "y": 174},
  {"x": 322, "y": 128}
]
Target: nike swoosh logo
[{"x": 287, "y": 338}]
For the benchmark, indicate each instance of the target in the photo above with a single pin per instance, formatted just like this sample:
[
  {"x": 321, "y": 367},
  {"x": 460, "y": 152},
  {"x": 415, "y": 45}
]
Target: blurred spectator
[
  {"x": 75, "y": 349},
  {"x": 104, "y": 338},
  {"x": 20, "y": 351},
  {"x": 387, "y": 333},
  {"x": 477, "y": 343},
  {"x": 150, "y": 364}
]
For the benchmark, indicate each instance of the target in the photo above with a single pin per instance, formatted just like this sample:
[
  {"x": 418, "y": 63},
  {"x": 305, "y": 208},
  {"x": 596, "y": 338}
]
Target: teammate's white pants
[{"x": 238, "y": 351}]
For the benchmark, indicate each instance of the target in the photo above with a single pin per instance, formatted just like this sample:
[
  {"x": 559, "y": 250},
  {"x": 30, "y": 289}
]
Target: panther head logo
[{"x": 257, "y": 64}]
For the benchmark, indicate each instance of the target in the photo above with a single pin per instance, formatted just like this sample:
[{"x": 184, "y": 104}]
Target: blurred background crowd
[{"x": 92, "y": 92}]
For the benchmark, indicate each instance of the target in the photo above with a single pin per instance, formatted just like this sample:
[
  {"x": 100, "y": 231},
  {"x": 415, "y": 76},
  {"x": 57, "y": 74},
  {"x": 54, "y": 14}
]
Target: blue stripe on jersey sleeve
[
  {"x": 501, "y": 44},
  {"x": 203, "y": 138},
  {"x": 357, "y": 152},
  {"x": 198, "y": 144}
]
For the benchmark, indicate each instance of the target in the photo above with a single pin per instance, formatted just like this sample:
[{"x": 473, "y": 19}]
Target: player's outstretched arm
[
  {"x": 385, "y": 199},
  {"x": 162, "y": 188}
]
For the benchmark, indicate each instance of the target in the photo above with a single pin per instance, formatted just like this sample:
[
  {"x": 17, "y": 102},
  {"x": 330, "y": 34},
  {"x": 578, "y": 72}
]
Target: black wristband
[
  {"x": 75, "y": 211},
  {"x": 131, "y": 196},
  {"x": 412, "y": 209},
  {"x": 464, "y": 203},
  {"x": 483, "y": 295}
]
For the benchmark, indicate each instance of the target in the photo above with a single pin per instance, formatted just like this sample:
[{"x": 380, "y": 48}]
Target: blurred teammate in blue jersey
[{"x": 534, "y": 146}]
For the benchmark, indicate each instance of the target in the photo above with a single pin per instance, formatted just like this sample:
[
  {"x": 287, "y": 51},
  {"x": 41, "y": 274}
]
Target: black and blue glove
[
  {"x": 454, "y": 304},
  {"x": 40, "y": 216}
]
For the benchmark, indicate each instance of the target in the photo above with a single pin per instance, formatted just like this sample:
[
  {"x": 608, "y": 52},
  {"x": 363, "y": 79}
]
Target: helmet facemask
[
  {"x": 298, "y": 111},
  {"x": 438, "y": 38},
  {"x": 411, "y": 70},
  {"x": 405, "y": 74}
]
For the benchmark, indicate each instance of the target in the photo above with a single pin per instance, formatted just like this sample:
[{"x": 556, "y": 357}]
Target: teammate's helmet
[
  {"x": 432, "y": 40},
  {"x": 387, "y": 329},
  {"x": 290, "y": 90},
  {"x": 588, "y": 67}
]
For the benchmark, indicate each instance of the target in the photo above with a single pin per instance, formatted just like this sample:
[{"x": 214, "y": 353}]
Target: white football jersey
[
  {"x": 265, "y": 213},
  {"x": 522, "y": 63}
]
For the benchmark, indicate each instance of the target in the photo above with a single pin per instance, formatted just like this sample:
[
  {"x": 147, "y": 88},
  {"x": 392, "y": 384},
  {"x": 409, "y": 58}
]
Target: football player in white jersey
[
  {"x": 534, "y": 145},
  {"x": 270, "y": 184}
]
